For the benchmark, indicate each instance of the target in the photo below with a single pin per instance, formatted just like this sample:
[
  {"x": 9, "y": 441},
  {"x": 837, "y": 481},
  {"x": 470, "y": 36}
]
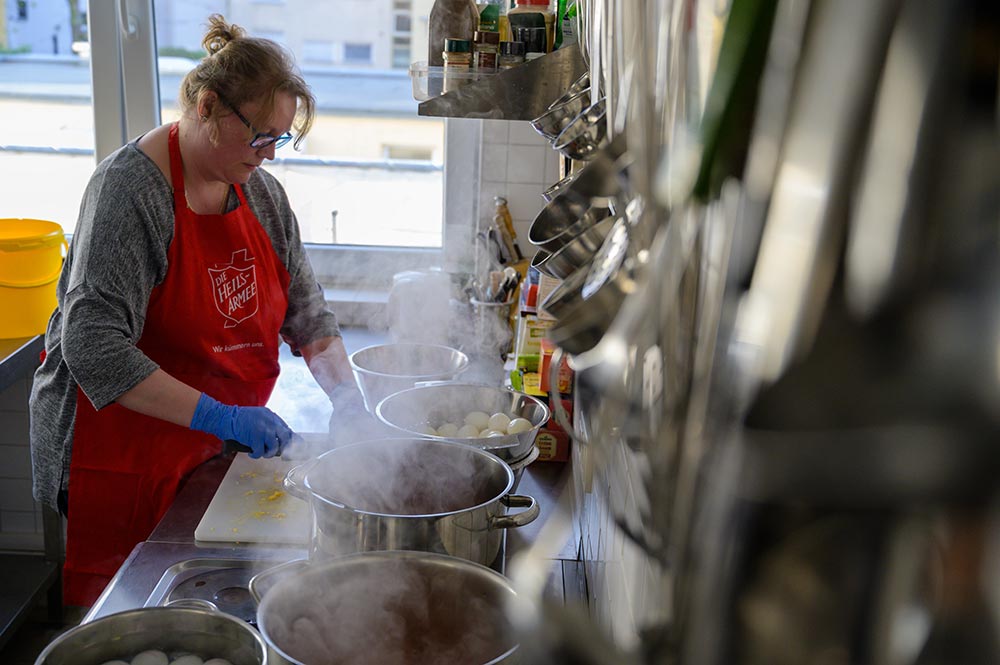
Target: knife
[{"x": 297, "y": 447}]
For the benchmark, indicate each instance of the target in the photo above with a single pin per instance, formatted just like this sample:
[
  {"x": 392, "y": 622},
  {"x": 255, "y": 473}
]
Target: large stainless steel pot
[
  {"x": 409, "y": 494},
  {"x": 383, "y": 369},
  {"x": 390, "y": 608},
  {"x": 173, "y": 630},
  {"x": 410, "y": 411}
]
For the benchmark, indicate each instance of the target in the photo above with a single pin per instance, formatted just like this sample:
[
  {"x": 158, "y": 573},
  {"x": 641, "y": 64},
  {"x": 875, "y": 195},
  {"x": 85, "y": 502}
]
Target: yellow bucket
[{"x": 31, "y": 256}]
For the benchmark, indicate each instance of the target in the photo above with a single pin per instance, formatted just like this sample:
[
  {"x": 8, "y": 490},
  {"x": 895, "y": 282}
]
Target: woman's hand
[{"x": 255, "y": 426}]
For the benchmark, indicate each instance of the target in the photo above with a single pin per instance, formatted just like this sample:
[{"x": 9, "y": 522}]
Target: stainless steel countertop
[{"x": 172, "y": 541}]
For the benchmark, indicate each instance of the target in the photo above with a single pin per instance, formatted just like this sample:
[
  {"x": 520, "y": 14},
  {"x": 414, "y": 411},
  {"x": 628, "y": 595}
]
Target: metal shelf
[{"x": 521, "y": 93}]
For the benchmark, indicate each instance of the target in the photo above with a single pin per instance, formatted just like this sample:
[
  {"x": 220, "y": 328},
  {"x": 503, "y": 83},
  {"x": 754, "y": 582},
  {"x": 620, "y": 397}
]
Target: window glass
[
  {"x": 371, "y": 170},
  {"x": 47, "y": 133}
]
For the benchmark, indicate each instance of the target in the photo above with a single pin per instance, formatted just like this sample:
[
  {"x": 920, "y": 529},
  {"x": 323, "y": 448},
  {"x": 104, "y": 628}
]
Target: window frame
[{"x": 125, "y": 82}]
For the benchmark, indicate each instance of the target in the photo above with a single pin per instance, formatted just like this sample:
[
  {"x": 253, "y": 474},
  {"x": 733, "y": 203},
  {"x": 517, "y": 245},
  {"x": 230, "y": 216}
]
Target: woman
[{"x": 185, "y": 272}]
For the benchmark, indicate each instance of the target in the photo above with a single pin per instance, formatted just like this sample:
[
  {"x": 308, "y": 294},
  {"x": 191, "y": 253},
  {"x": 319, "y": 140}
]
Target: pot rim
[
  {"x": 347, "y": 559},
  {"x": 477, "y": 451},
  {"x": 92, "y": 625},
  {"x": 444, "y": 374}
]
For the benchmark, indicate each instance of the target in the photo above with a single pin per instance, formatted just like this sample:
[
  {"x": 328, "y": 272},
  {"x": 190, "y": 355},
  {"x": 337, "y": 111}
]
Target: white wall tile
[
  {"x": 15, "y": 494},
  {"x": 494, "y": 168},
  {"x": 525, "y": 200},
  {"x": 14, "y": 428},
  {"x": 15, "y": 462},
  {"x": 552, "y": 166},
  {"x": 526, "y": 164},
  {"x": 521, "y": 133},
  {"x": 17, "y": 521},
  {"x": 15, "y": 397},
  {"x": 496, "y": 131}
]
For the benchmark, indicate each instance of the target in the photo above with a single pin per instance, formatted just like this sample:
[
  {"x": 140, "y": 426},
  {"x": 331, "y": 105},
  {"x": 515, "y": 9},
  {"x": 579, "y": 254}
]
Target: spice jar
[
  {"x": 486, "y": 46},
  {"x": 457, "y": 57},
  {"x": 511, "y": 54},
  {"x": 533, "y": 40}
]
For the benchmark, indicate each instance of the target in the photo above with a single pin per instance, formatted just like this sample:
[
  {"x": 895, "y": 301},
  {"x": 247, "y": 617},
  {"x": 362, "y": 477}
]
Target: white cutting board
[{"x": 252, "y": 506}]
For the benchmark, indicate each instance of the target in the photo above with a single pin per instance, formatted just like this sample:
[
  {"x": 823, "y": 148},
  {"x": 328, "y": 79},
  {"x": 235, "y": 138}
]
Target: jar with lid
[
  {"x": 533, "y": 14},
  {"x": 511, "y": 55},
  {"x": 457, "y": 56},
  {"x": 533, "y": 40},
  {"x": 485, "y": 49}
]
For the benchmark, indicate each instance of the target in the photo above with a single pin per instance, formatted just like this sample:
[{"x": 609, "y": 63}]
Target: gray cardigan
[{"x": 118, "y": 255}]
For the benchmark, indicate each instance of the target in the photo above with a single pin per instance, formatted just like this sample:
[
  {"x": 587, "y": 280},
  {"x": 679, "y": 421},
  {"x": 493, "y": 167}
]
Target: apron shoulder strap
[{"x": 176, "y": 165}]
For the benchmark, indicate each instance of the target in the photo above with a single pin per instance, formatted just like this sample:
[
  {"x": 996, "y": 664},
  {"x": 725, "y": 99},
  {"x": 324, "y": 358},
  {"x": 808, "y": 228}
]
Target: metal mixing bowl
[
  {"x": 580, "y": 250},
  {"x": 563, "y": 219},
  {"x": 551, "y": 123},
  {"x": 409, "y": 410},
  {"x": 585, "y": 134},
  {"x": 383, "y": 369}
]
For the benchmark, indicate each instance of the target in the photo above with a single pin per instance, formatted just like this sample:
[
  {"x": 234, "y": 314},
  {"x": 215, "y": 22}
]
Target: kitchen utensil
[
  {"x": 579, "y": 85},
  {"x": 578, "y": 252},
  {"x": 554, "y": 190},
  {"x": 555, "y": 120},
  {"x": 374, "y": 606},
  {"x": 383, "y": 369},
  {"x": 252, "y": 506},
  {"x": 409, "y": 411},
  {"x": 585, "y": 134},
  {"x": 605, "y": 176},
  {"x": 564, "y": 219},
  {"x": 566, "y": 296},
  {"x": 538, "y": 262},
  {"x": 409, "y": 494},
  {"x": 174, "y": 630}
]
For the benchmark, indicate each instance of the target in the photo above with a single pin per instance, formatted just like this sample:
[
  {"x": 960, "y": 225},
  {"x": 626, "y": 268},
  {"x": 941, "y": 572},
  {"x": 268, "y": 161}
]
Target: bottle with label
[
  {"x": 534, "y": 13},
  {"x": 457, "y": 57},
  {"x": 493, "y": 17},
  {"x": 511, "y": 55},
  {"x": 560, "y": 12},
  {"x": 569, "y": 23},
  {"x": 456, "y": 19},
  {"x": 485, "y": 47}
]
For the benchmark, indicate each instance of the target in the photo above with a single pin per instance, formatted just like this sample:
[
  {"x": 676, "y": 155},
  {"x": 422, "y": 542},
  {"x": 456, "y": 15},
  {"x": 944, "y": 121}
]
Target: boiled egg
[
  {"x": 518, "y": 425},
  {"x": 424, "y": 428},
  {"x": 218, "y": 661},
  {"x": 499, "y": 422},
  {"x": 187, "y": 660},
  {"x": 468, "y": 432},
  {"x": 448, "y": 429},
  {"x": 479, "y": 419},
  {"x": 151, "y": 657}
]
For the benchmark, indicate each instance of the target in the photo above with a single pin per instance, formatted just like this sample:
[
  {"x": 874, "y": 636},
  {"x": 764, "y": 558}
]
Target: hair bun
[{"x": 220, "y": 33}]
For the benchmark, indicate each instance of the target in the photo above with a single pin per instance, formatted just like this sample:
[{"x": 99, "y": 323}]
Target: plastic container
[
  {"x": 428, "y": 82},
  {"x": 511, "y": 55},
  {"x": 521, "y": 16},
  {"x": 31, "y": 255}
]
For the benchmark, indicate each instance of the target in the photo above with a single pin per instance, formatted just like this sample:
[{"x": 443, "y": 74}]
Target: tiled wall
[
  {"x": 20, "y": 515},
  {"x": 518, "y": 164}
]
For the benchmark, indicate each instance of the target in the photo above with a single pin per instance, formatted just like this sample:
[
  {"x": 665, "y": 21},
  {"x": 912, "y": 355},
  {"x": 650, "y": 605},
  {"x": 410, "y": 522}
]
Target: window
[
  {"x": 357, "y": 53},
  {"x": 317, "y": 52},
  {"x": 47, "y": 136},
  {"x": 402, "y": 23}
]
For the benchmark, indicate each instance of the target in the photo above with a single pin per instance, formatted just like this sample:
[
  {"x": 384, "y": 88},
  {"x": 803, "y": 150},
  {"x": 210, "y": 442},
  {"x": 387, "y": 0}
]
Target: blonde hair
[{"x": 243, "y": 69}]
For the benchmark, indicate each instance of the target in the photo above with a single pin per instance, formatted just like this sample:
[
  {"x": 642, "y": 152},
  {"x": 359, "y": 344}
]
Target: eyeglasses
[{"x": 260, "y": 139}]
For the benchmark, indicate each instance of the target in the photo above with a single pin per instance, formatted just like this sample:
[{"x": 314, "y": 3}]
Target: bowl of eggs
[
  {"x": 177, "y": 635},
  {"x": 502, "y": 421},
  {"x": 383, "y": 369}
]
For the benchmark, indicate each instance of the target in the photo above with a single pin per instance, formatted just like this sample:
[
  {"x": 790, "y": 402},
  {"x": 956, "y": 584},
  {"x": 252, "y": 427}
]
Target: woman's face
[{"x": 233, "y": 160}]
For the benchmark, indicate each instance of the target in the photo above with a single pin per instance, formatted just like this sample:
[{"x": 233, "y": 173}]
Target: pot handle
[
  {"x": 260, "y": 582},
  {"x": 295, "y": 480},
  {"x": 555, "y": 399},
  {"x": 519, "y": 519}
]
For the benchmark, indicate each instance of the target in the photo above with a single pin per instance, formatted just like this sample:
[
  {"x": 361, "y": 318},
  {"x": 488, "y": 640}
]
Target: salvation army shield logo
[{"x": 234, "y": 288}]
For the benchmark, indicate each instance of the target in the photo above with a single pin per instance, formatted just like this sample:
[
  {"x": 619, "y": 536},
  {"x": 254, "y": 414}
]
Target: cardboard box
[
  {"x": 553, "y": 445},
  {"x": 553, "y": 424},
  {"x": 530, "y": 332}
]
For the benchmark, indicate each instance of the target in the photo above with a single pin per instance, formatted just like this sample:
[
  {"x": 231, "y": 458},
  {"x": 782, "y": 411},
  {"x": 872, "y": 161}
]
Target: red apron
[{"x": 213, "y": 323}]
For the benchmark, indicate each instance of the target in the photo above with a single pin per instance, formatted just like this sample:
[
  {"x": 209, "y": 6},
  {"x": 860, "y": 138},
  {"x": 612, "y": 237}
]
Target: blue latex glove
[{"x": 254, "y": 426}]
